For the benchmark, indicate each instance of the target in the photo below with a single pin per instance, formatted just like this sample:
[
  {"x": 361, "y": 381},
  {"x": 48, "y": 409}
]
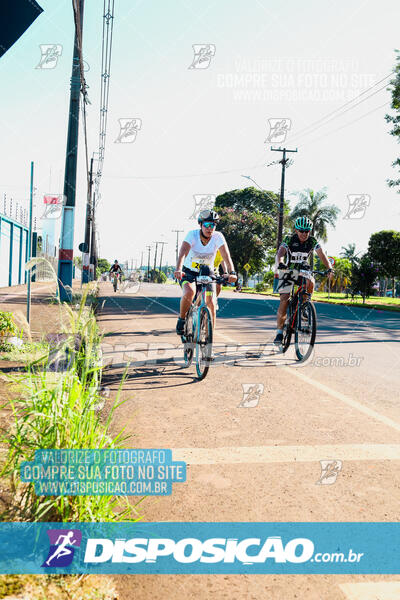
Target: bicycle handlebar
[
  {"x": 304, "y": 268},
  {"x": 218, "y": 279}
]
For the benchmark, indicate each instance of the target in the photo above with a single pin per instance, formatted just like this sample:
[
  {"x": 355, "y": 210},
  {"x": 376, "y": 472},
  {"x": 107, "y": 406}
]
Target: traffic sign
[
  {"x": 247, "y": 267},
  {"x": 331, "y": 260}
]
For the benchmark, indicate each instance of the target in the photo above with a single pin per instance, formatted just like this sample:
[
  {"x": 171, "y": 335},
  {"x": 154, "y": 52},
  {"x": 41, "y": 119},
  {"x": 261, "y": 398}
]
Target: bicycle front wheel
[
  {"x": 287, "y": 328},
  {"x": 203, "y": 343},
  {"x": 305, "y": 331},
  {"x": 187, "y": 339}
]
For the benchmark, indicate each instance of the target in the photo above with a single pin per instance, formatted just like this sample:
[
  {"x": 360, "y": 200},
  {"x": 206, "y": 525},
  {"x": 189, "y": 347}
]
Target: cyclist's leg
[
  {"x": 189, "y": 290},
  {"x": 281, "y": 315},
  {"x": 310, "y": 286},
  {"x": 211, "y": 303}
]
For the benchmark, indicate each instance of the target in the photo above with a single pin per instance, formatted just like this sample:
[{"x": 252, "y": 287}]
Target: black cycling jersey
[
  {"x": 115, "y": 268},
  {"x": 298, "y": 251}
]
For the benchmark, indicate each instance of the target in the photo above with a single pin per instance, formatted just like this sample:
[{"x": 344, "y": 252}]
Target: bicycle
[
  {"x": 198, "y": 328},
  {"x": 303, "y": 322}
]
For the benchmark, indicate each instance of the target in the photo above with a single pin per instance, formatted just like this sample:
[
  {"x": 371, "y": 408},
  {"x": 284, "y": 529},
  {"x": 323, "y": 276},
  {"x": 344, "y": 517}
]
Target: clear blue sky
[{"x": 291, "y": 60}]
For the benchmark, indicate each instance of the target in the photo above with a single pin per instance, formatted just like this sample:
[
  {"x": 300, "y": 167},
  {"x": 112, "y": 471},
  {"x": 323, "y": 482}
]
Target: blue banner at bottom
[{"x": 128, "y": 548}]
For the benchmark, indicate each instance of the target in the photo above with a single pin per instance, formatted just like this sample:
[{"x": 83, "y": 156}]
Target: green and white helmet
[{"x": 303, "y": 224}]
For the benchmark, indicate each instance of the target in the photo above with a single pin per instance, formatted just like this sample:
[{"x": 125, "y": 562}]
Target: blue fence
[{"x": 13, "y": 251}]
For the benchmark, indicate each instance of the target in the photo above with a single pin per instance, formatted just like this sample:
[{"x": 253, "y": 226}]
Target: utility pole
[
  {"x": 155, "y": 254},
  {"x": 162, "y": 250},
  {"x": 66, "y": 251},
  {"x": 148, "y": 263},
  {"x": 177, "y": 231},
  {"x": 280, "y": 218},
  {"x": 93, "y": 250},
  {"x": 85, "y": 255},
  {"x": 141, "y": 261}
]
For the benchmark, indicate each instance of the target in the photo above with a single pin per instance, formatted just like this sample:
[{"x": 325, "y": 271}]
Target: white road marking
[
  {"x": 322, "y": 387},
  {"x": 276, "y": 454},
  {"x": 382, "y": 590},
  {"x": 343, "y": 398},
  {"x": 338, "y": 395}
]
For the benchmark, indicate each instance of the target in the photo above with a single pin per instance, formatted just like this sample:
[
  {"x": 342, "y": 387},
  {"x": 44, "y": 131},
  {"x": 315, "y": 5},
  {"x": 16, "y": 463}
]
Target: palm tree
[
  {"x": 311, "y": 205},
  {"x": 341, "y": 276},
  {"x": 350, "y": 253}
]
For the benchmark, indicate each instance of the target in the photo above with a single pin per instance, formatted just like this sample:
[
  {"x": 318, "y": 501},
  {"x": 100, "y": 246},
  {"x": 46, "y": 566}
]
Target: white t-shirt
[{"x": 199, "y": 254}]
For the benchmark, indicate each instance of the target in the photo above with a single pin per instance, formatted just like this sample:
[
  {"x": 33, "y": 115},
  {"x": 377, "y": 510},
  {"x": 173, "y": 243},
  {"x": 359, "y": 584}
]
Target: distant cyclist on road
[
  {"x": 199, "y": 248},
  {"x": 298, "y": 249},
  {"x": 115, "y": 268}
]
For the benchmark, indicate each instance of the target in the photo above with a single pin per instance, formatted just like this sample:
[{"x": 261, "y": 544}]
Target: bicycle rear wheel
[
  {"x": 203, "y": 343},
  {"x": 305, "y": 331}
]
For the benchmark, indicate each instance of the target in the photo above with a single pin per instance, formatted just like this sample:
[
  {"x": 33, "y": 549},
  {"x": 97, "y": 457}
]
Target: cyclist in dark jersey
[
  {"x": 115, "y": 268},
  {"x": 298, "y": 249}
]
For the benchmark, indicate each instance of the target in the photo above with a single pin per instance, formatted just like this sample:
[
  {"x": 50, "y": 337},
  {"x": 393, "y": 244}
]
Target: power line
[
  {"x": 325, "y": 117},
  {"x": 345, "y": 125},
  {"x": 253, "y": 167},
  {"x": 106, "y": 51}
]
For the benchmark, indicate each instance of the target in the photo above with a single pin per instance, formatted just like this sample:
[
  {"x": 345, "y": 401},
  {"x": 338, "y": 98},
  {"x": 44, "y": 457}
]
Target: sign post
[{"x": 28, "y": 296}]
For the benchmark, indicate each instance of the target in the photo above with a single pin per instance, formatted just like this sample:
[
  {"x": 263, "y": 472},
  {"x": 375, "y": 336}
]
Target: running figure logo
[
  {"x": 358, "y": 204},
  {"x": 61, "y": 553},
  {"x": 251, "y": 394},
  {"x": 203, "y": 54},
  {"x": 278, "y": 129},
  {"x": 128, "y": 129},
  {"x": 329, "y": 471},
  {"x": 50, "y": 55},
  {"x": 202, "y": 202}
]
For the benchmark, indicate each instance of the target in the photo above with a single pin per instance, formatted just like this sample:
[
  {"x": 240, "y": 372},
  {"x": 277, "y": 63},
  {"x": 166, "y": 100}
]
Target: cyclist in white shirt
[{"x": 198, "y": 250}]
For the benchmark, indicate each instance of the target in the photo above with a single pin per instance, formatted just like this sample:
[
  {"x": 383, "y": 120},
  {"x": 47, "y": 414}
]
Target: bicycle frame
[
  {"x": 297, "y": 296},
  {"x": 199, "y": 315},
  {"x": 198, "y": 302}
]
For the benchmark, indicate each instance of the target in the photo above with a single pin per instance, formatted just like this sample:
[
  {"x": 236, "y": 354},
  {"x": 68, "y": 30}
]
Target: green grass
[
  {"x": 28, "y": 353},
  {"x": 59, "y": 411}
]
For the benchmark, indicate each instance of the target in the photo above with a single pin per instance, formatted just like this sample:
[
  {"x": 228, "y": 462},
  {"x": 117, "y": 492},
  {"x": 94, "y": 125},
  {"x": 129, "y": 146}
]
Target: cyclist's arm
[
  {"x": 281, "y": 253},
  {"x": 226, "y": 257},
  {"x": 183, "y": 252},
  {"x": 321, "y": 254}
]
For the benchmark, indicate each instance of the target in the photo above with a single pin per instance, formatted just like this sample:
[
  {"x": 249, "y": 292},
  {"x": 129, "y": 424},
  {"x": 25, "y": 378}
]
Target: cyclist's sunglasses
[
  {"x": 303, "y": 230},
  {"x": 209, "y": 224}
]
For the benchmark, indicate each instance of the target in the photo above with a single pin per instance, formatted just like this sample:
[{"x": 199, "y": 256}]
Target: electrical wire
[
  {"x": 326, "y": 121},
  {"x": 106, "y": 52}
]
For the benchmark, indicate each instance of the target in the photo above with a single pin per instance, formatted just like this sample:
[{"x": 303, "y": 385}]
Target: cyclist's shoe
[
  {"x": 180, "y": 326},
  {"x": 279, "y": 339}
]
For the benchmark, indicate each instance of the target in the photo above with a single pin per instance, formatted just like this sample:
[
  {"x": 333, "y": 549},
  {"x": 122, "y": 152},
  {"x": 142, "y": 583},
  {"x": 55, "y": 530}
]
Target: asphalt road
[{"x": 256, "y": 456}]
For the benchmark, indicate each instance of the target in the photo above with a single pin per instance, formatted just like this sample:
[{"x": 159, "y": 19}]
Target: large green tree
[
  {"x": 395, "y": 119},
  {"x": 103, "y": 265},
  {"x": 384, "y": 249},
  {"x": 363, "y": 276},
  {"x": 254, "y": 200},
  {"x": 250, "y": 199},
  {"x": 249, "y": 234}
]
